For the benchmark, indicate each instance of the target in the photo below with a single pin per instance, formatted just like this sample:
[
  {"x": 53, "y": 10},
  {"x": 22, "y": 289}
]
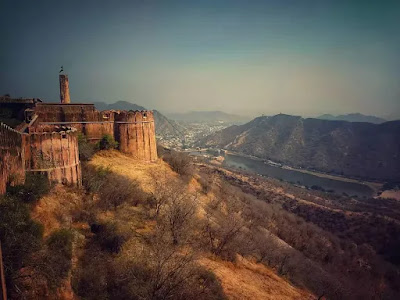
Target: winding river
[{"x": 297, "y": 177}]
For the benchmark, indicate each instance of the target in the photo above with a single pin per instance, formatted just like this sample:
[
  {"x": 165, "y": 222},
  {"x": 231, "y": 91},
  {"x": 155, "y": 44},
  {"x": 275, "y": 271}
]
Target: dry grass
[
  {"x": 243, "y": 280},
  {"x": 248, "y": 280},
  {"x": 55, "y": 209},
  {"x": 132, "y": 168},
  {"x": 143, "y": 172}
]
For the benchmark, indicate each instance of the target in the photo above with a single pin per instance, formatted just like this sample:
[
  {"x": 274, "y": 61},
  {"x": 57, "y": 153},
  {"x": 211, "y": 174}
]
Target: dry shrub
[
  {"x": 113, "y": 189},
  {"x": 155, "y": 269},
  {"x": 86, "y": 149},
  {"x": 20, "y": 237},
  {"x": 206, "y": 181},
  {"x": 177, "y": 217},
  {"x": 180, "y": 162},
  {"x": 108, "y": 236},
  {"x": 117, "y": 190},
  {"x": 36, "y": 185},
  {"x": 57, "y": 257},
  {"x": 93, "y": 178}
]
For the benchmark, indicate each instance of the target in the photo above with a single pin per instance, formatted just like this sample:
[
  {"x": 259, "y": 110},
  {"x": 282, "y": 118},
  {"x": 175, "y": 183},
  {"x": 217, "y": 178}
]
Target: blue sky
[{"x": 250, "y": 57}]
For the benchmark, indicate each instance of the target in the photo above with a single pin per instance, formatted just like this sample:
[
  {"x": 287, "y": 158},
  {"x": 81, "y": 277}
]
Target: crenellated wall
[
  {"x": 49, "y": 142},
  {"x": 12, "y": 170},
  {"x": 135, "y": 132},
  {"x": 84, "y": 117},
  {"x": 46, "y": 140},
  {"x": 43, "y": 149}
]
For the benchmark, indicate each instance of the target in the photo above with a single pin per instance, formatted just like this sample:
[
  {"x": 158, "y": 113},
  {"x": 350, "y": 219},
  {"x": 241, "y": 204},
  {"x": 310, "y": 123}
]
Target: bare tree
[
  {"x": 178, "y": 214},
  {"x": 220, "y": 230},
  {"x": 163, "y": 189},
  {"x": 161, "y": 270}
]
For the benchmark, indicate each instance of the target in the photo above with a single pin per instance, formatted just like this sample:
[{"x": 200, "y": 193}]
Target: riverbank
[{"x": 375, "y": 186}]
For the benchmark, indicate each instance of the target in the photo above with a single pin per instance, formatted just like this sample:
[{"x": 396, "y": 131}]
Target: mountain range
[
  {"x": 356, "y": 117},
  {"x": 363, "y": 150},
  {"x": 164, "y": 126}
]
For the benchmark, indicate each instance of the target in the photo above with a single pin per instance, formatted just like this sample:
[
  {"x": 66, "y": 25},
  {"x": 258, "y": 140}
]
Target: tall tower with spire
[{"x": 64, "y": 88}]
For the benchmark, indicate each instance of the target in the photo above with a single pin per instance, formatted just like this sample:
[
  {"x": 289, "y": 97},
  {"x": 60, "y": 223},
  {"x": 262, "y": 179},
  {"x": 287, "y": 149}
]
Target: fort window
[
  {"x": 64, "y": 136},
  {"x": 145, "y": 115}
]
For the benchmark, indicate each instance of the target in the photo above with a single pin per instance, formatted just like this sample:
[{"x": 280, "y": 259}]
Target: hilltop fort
[{"x": 43, "y": 137}]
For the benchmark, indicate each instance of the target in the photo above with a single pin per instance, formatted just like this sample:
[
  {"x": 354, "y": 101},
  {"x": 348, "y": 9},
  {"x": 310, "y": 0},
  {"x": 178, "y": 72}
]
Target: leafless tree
[{"x": 178, "y": 214}]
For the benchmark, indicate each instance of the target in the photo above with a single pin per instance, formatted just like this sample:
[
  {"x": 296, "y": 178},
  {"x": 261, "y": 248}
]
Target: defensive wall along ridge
[{"x": 46, "y": 139}]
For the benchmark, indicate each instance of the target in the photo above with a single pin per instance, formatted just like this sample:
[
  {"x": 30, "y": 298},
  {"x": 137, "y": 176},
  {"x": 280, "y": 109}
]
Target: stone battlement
[
  {"x": 46, "y": 140},
  {"x": 51, "y": 151},
  {"x": 54, "y": 151},
  {"x": 133, "y": 130}
]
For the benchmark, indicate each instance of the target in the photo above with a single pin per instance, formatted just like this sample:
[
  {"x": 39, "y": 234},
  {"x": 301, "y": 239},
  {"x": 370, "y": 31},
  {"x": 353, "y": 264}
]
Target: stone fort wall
[
  {"x": 133, "y": 130},
  {"x": 12, "y": 169},
  {"x": 45, "y": 150},
  {"x": 55, "y": 153},
  {"x": 46, "y": 140}
]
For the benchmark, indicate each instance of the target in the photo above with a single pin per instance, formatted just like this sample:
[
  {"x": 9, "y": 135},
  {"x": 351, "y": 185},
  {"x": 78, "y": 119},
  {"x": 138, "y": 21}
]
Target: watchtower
[{"x": 64, "y": 89}]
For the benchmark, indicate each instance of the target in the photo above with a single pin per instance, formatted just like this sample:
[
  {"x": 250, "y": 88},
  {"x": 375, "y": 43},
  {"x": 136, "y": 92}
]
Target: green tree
[{"x": 107, "y": 142}]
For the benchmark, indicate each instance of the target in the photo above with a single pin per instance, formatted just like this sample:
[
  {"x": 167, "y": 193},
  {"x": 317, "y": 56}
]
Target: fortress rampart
[
  {"x": 45, "y": 136},
  {"x": 84, "y": 117},
  {"x": 54, "y": 153},
  {"x": 133, "y": 130},
  {"x": 12, "y": 170}
]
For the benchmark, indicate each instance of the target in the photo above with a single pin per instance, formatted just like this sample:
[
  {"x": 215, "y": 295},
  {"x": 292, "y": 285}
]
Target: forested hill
[{"x": 350, "y": 148}]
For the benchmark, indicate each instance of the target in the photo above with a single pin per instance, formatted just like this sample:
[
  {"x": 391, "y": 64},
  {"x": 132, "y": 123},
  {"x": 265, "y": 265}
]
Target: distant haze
[{"x": 241, "y": 57}]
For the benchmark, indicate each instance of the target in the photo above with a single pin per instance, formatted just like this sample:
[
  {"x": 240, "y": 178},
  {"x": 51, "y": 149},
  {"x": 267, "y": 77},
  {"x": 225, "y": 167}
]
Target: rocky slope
[{"x": 362, "y": 150}]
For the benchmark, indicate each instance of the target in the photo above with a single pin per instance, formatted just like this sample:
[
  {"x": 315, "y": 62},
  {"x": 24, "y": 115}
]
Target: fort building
[{"x": 43, "y": 137}]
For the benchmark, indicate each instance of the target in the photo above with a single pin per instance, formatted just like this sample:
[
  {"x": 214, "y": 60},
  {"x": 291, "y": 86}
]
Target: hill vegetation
[
  {"x": 135, "y": 231},
  {"x": 175, "y": 229}
]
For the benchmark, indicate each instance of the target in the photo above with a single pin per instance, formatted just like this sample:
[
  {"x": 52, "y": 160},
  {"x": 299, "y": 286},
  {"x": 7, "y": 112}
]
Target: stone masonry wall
[
  {"x": 135, "y": 132},
  {"x": 54, "y": 153},
  {"x": 12, "y": 169},
  {"x": 84, "y": 117}
]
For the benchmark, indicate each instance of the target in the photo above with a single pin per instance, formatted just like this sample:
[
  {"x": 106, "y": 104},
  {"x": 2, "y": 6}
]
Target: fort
[{"x": 43, "y": 137}]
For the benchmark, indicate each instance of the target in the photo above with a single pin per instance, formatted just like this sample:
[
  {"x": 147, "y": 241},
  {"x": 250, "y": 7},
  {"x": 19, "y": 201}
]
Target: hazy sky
[{"x": 298, "y": 57}]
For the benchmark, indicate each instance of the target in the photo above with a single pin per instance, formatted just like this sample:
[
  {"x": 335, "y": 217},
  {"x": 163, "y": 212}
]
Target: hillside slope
[
  {"x": 240, "y": 280},
  {"x": 353, "y": 149},
  {"x": 246, "y": 280},
  {"x": 140, "y": 230}
]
